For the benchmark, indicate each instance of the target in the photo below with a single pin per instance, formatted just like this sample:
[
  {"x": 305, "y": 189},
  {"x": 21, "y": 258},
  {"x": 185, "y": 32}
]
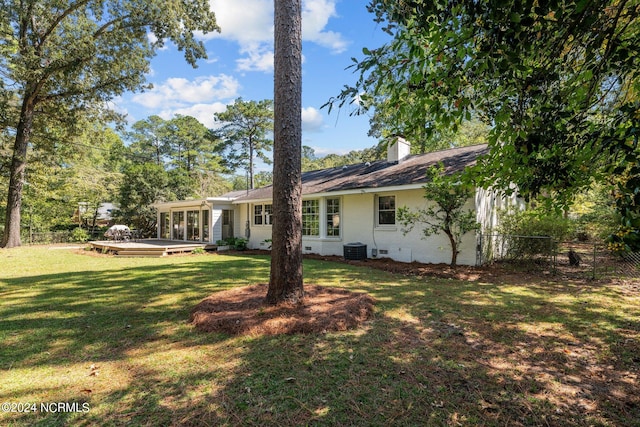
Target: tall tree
[
  {"x": 192, "y": 145},
  {"x": 76, "y": 52},
  {"x": 245, "y": 129},
  {"x": 285, "y": 282},
  {"x": 148, "y": 139}
]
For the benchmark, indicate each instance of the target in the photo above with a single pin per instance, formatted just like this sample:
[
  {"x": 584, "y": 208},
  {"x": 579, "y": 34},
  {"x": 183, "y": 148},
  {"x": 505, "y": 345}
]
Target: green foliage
[
  {"x": 536, "y": 223},
  {"x": 237, "y": 243},
  {"x": 530, "y": 233},
  {"x": 627, "y": 199},
  {"x": 186, "y": 149},
  {"x": 148, "y": 140},
  {"x": 594, "y": 213},
  {"x": 312, "y": 162},
  {"x": 558, "y": 82},
  {"x": 142, "y": 186},
  {"x": 61, "y": 58},
  {"x": 389, "y": 122},
  {"x": 240, "y": 244},
  {"x": 191, "y": 145},
  {"x": 79, "y": 234},
  {"x": 263, "y": 179},
  {"x": 448, "y": 216},
  {"x": 245, "y": 130}
]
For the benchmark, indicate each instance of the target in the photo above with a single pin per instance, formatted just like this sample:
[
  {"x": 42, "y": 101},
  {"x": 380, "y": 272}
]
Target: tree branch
[{"x": 59, "y": 19}]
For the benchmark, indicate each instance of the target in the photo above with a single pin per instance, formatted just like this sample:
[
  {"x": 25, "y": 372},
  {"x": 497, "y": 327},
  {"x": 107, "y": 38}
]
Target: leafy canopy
[
  {"x": 557, "y": 81},
  {"x": 58, "y": 57}
]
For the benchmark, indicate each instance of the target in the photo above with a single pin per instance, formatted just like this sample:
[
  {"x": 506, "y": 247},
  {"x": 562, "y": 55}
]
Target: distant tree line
[{"x": 153, "y": 160}]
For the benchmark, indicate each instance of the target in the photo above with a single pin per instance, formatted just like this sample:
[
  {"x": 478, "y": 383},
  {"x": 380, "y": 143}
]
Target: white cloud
[
  {"x": 180, "y": 92},
  {"x": 246, "y": 21},
  {"x": 315, "y": 17},
  {"x": 312, "y": 120},
  {"x": 153, "y": 39},
  {"x": 324, "y": 151},
  {"x": 259, "y": 58},
  {"x": 250, "y": 24},
  {"x": 203, "y": 112}
]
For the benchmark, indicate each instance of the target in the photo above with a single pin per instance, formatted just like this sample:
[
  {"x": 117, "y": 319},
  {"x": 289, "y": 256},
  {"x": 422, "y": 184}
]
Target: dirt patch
[{"x": 243, "y": 311}]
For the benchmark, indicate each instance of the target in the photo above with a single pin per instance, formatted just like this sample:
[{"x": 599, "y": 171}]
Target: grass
[{"x": 112, "y": 333}]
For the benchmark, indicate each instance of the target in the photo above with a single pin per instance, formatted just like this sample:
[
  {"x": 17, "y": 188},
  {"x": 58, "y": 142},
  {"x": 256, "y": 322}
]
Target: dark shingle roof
[{"x": 379, "y": 174}]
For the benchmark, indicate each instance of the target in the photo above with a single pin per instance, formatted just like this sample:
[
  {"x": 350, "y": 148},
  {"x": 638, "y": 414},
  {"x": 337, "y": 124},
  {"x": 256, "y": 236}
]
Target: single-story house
[{"x": 342, "y": 205}]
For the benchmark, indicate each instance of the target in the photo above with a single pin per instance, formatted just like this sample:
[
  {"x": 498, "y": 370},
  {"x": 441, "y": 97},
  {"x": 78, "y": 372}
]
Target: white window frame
[
  {"x": 316, "y": 214},
  {"x": 379, "y": 199},
  {"x": 330, "y": 218},
  {"x": 265, "y": 215}
]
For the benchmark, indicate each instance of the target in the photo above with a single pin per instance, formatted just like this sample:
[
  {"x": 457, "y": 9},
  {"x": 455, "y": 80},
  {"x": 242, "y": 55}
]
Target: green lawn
[{"x": 112, "y": 334}]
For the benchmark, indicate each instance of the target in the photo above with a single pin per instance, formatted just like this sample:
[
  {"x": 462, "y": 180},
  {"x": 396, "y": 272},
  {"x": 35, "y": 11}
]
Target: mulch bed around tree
[{"x": 243, "y": 311}]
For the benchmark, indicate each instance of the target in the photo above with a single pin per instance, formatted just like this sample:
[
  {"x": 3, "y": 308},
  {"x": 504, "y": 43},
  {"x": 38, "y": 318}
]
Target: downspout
[
  {"x": 247, "y": 228},
  {"x": 374, "y": 250}
]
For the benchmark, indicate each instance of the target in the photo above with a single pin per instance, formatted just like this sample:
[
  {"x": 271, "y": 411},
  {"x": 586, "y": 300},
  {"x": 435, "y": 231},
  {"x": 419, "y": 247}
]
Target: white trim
[{"x": 367, "y": 190}]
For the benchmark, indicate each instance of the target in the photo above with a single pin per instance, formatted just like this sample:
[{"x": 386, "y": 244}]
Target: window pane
[
  {"x": 193, "y": 225},
  {"x": 205, "y": 226},
  {"x": 268, "y": 214},
  {"x": 165, "y": 228},
  {"x": 387, "y": 210},
  {"x": 178, "y": 225},
  {"x": 333, "y": 217},
  {"x": 310, "y": 218},
  {"x": 257, "y": 215}
]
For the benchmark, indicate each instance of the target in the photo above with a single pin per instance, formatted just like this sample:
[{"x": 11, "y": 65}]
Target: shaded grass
[{"x": 112, "y": 332}]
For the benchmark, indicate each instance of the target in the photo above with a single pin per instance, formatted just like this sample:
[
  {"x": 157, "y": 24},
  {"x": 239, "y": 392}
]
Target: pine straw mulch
[{"x": 243, "y": 311}]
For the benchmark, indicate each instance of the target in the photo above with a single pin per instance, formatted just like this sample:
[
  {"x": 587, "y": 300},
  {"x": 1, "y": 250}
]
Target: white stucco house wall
[{"x": 343, "y": 205}]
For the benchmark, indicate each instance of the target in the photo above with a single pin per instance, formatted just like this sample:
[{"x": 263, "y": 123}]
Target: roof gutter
[{"x": 367, "y": 190}]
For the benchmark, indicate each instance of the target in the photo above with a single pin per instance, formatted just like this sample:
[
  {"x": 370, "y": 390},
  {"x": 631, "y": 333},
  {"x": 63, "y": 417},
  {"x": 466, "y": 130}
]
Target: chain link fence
[
  {"x": 52, "y": 237},
  {"x": 587, "y": 260}
]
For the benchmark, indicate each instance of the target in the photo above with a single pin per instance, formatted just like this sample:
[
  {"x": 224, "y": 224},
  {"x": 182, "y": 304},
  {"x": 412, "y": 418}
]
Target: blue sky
[{"x": 240, "y": 64}]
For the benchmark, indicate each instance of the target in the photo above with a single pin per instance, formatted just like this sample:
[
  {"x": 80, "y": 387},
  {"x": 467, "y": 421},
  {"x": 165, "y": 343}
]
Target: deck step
[{"x": 141, "y": 253}]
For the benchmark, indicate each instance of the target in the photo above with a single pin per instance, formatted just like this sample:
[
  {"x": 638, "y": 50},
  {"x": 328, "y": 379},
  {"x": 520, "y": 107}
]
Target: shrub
[
  {"x": 240, "y": 244},
  {"x": 237, "y": 243},
  {"x": 79, "y": 235},
  {"x": 531, "y": 233}
]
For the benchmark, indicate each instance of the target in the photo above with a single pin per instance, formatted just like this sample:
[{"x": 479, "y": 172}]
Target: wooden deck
[{"x": 148, "y": 247}]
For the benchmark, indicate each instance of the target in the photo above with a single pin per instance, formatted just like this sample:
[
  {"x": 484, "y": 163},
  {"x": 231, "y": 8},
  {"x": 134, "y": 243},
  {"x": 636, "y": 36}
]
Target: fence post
[
  {"x": 553, "y": 252},
  {"x": 593, "y": 276}
]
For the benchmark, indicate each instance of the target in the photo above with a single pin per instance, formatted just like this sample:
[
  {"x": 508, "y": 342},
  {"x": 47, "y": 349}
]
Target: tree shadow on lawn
[
  {"x": 437, "y": 352},
  {"x": 98, "y": 315},
  {"x": 534, "y": 354},
  {"x": 390, "y": 372}
]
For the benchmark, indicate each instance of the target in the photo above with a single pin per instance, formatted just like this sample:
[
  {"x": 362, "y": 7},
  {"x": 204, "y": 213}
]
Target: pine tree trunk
[
  {"x": 251, "y": 181},
  {"x": 11, "y": 236},
  {"x": 285, "y": 283}
]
